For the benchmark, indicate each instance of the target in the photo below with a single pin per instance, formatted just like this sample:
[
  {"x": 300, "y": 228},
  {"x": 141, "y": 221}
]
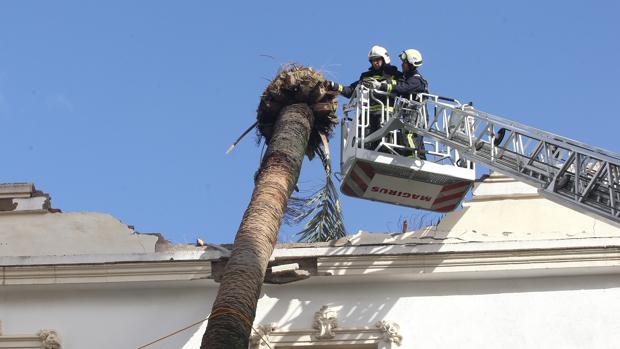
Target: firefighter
[
  {"x": 408, "y": 85},
  {"x": 380, "y": 71}
]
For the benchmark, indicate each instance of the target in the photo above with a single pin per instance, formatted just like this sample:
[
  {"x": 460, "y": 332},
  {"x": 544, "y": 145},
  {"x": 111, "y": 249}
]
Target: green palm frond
[{"x": 322, "y": 207}]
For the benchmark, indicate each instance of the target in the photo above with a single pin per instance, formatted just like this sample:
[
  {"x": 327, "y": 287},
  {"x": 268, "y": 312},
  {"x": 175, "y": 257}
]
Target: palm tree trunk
[{"x": 234, "y": 308}]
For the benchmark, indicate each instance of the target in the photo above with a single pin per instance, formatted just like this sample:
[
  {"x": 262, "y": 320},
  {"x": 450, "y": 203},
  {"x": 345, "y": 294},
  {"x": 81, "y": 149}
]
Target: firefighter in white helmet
[
  {"x": 408, "y": 85},
  {"x": 380, "y": 71}
]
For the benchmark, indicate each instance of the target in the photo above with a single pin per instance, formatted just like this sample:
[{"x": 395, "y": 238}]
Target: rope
[
  {"x": 217, "y": 312},
  {"x": 172, "y": 334},
  {"x": 225, "y": 311}
]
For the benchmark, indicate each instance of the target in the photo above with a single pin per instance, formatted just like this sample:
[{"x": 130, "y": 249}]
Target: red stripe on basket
[
  {"x": 368, "y": 170},
  {"x": 360, "y": 183},
  {"x": 448, "y": 197},
  {"x": 347, "y": 190},
  {"x": 454, "y": 186},
  {"x": 446, "y": 208}
]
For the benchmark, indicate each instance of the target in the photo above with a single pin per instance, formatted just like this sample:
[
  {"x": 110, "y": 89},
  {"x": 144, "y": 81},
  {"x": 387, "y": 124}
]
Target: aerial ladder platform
[{"x": 379, "y": 166}]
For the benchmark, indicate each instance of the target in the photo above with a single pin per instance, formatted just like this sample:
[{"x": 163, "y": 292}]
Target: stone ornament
[
  {"x": 325, "y": 320},
  {"x": 50, "y": 339},
  {"x": 391, "y": 331},
  {"x": 260, "y": 336}
]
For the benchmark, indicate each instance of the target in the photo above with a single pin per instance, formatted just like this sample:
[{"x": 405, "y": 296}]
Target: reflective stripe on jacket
[
  {"x": 409, "y": 83},
  {"x": 387, "y": 73}
]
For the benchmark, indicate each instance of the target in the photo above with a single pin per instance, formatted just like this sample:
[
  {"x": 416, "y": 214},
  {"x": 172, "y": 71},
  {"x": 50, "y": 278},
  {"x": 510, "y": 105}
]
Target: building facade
[{"x": 509, "y": 270}]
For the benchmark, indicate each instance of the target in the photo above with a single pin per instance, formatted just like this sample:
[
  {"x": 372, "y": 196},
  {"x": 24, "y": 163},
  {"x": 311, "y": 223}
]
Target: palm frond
[{"x": 326, "y": 222}]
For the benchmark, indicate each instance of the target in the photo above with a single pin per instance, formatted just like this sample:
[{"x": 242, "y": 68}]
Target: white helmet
[
  {"x": 414, "y": 57},
  {"x": 379, "y": 51}
]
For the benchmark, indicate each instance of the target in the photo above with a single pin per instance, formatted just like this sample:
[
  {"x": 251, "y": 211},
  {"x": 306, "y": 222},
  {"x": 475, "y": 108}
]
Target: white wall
[
  {"x": 576, "y": 312},
  {"x": 560, "y": 312},
  {"x": 105, "y": 317}
]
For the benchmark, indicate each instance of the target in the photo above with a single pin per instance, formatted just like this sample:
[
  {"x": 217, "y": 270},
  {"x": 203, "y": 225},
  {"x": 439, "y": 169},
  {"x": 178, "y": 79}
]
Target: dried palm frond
[{"x": 298, "y": 84}]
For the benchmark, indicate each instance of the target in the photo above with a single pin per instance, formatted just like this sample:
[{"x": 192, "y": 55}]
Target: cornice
[
  {"x": 105, "y": 273},
  {"x": 561, "y": 261},
  {"x": 395, "y": 262}
]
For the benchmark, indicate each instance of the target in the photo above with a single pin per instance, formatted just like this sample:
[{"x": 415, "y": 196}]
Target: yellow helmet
[
  {"x": 414, "y": 57},
  {"x": 379, "y": 51}
]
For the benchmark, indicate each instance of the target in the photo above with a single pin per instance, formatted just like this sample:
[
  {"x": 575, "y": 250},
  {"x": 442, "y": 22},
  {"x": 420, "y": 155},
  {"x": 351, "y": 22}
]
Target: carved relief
[
  {"x": 260, "y": 336},
  {"x": 50, "y": 339},
  {"x": 325, "y": 321},
  {"x": 391, "y": 331},
  {"x": 325, "y": 330}
]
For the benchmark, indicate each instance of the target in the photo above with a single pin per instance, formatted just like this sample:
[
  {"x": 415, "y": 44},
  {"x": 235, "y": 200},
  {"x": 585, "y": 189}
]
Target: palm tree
[{"x": 295, "y": 116}]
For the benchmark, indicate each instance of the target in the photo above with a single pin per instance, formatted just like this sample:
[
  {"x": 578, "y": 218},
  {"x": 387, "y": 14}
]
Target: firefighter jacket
[
  {"x": 409, "y": 83},
  {"x": 388, "y": 73}
]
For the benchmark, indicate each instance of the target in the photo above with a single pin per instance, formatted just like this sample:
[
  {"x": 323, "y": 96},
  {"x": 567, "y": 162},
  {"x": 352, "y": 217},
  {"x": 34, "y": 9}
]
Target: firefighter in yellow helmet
[
  {"x": 409, "y": 84},
  {"x": 380, "y": 71}
]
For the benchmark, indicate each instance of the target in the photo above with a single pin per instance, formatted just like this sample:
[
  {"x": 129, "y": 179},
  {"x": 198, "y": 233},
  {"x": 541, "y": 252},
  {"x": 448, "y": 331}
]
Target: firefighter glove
[
  {"x": 373, "y": 84},
  {"x": 332, "y": 85}
]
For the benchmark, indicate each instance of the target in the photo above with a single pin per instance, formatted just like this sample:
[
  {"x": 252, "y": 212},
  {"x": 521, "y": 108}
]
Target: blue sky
[{"x": 127, "y": 107}]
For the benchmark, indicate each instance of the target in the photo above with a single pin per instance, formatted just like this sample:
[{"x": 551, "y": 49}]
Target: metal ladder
[{"x": 572, "y": 173}]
